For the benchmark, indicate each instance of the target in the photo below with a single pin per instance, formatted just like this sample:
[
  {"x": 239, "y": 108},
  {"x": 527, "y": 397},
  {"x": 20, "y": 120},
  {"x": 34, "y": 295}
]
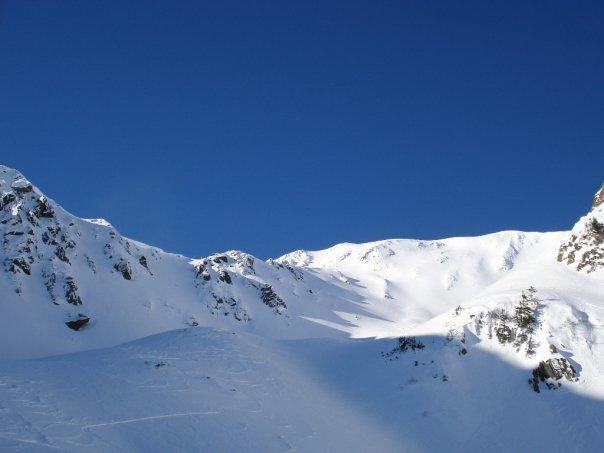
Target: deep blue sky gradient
[{"x": 270, "y": 126}]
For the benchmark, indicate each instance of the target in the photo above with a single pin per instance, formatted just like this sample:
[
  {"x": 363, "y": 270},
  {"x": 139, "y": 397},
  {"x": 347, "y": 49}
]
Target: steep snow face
[{"x": 584, "y": 250}]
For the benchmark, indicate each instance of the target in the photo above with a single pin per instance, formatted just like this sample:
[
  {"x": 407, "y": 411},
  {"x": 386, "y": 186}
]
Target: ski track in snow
[{"x": 143, "y": 419}]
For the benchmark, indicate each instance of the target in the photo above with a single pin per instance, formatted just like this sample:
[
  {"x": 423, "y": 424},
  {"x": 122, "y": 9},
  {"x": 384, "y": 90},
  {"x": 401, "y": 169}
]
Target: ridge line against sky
[{"x": 269, "y": 127}]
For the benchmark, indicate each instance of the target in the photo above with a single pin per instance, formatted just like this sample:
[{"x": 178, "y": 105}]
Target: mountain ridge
[
  {"x": 51, "y": 254},
  {"x": 493, "y": 340}
]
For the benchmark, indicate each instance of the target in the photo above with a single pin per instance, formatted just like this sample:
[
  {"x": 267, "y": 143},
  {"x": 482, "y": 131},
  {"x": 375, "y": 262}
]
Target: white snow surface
[{"x": 233, "y": 353}]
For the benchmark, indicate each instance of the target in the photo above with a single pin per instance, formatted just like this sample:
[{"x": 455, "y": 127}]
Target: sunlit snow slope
[{"x": 493, "y": 341}]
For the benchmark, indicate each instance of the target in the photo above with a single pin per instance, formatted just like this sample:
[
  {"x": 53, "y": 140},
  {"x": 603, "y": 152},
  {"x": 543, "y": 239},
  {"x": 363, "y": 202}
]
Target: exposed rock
[
  {"x": 22, "y": 186},
  {"x": 50, "y": 280},
  {"x": 44, "y": 209},
  {"x": 78, "y": 323},
  {"x": 270, "y": 298},
  {"x": 71, "y": 292},
  {"x": 6, "y": 199},
  {"x": 552, "y": 370},
  {"x": 124, "y": 268},
  {"x": 225, "y": 277},
  {"x": 60, "y": 253},
  {"x": 585, "y": 247},
  {"x": 20, "y": 264}
]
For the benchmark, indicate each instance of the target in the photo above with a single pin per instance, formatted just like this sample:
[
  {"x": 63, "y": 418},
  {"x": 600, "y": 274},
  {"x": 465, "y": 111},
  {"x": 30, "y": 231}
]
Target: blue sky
[{"x": 271, "y": 126}]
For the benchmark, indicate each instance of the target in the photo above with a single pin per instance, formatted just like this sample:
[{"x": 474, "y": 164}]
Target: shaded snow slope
[{"x": 207, "y": 390}]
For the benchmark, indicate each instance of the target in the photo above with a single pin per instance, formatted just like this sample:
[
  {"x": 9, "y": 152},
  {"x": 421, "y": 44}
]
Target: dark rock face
[
  {"x": 21, "y": 186},
  {"x": 20, "y": 264},
  {"x": 124, "y": 268},
  {"x": 270, "y": 297},
  {"x": 225, "y": 277},
  {"x": 44, "y": 210},
  {"x": 71, "y": 292},
  {"x": 37, "y": 239},
  {"x": 78, "y": 323},
  {"x": 60, "y": 253},
  {"x": 550, "y": 371},
  {"x": 7, "y": 199},
  {"x": 143, "y": 262}
]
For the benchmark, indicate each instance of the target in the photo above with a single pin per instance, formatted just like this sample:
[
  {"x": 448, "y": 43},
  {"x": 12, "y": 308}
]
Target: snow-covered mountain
[{"x": 493, "y": 341}]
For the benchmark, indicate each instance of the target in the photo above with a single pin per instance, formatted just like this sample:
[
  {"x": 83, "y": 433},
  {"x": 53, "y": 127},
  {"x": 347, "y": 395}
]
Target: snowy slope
[
  {"x": 208, "y": 390},
  {"x": 496, "y": 340}
]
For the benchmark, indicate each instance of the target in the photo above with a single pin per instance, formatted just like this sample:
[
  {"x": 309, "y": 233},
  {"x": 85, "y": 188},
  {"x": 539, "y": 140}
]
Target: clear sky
[{"x": 270, "y": 126}]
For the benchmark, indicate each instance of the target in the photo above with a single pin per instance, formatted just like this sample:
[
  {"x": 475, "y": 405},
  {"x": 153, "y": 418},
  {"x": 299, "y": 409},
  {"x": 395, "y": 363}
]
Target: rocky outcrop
[
  {"x": 42, "y": 243},
  {"x": 77, "y": 324},
  {"x": 71, "y": 292},
  {"x": 551, "y": 371},
  {"x": 224, "y": 276},
  {"x": 584, "y": 250},
  {"x": 230, "y": 282},
  {"x": 124, "y": 268},
  {"x": 271, "y": 298}
]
